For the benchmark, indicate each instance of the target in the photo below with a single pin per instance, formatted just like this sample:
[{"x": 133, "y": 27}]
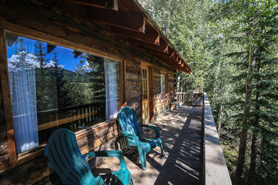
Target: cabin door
[{"x": 145, "y": 94}]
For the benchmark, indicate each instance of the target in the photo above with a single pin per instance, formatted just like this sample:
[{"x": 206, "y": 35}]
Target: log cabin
[{"x": 74, "y": 64}]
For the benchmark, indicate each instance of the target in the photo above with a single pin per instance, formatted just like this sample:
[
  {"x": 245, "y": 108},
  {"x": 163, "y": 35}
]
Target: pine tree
[
  {"x": 20, "y": 55},
  {"x": 97, "y": 81},
  {"x": 42, "y": 80},
  {"x": 230, "y": 45},
  {"x": 251, "y": 23},
  {"x": 59, "y": 81},
  {"x": 264, "y": 116}
]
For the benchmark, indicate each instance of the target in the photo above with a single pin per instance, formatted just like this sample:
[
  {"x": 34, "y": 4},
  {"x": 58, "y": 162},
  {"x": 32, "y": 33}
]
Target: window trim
[
  {"x": 166, "y": 86},
  {"x": 5, "y": 27}
]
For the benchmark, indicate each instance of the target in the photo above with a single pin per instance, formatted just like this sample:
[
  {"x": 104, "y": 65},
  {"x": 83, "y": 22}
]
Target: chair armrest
[
  {"x": 109, "y": 153},
  {"x": 152, "y": 127},
  {"x": 130, "y": 136}
]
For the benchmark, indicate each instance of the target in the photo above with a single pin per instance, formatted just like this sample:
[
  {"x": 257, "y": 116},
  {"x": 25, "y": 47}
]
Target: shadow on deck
[{"x": 182, "y": 135}]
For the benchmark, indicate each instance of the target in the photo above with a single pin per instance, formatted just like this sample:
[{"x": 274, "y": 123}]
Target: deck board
[{"x": 182, "y": 135}]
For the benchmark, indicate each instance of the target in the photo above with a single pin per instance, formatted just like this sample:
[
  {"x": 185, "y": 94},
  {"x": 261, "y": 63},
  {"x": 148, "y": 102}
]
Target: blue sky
[{"x": 65, "y": 55}]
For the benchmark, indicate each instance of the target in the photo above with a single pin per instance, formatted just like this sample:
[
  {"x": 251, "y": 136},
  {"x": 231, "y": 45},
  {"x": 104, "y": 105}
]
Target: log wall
[
  {"x": 162, "y": 105},
  {"x": 133, "y": 86},
  {"x": 3, "y": 135},
  {"x": 50, "y": 22}
]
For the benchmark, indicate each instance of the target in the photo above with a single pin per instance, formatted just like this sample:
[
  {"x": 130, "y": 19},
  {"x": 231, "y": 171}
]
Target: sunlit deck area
[{"x": 182, "y": 137}]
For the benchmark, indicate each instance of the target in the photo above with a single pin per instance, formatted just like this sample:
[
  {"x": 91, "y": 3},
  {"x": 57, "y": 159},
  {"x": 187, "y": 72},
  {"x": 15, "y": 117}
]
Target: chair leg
[
  {"x": 142, "y": 155},
  {"x": 161, "y": 147},
  {"x": 143, "y": 161},
  {"x": 162, "y": 153}
]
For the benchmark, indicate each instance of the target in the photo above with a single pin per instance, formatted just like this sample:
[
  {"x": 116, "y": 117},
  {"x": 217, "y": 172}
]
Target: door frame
[{"x": 149, "y": 68}]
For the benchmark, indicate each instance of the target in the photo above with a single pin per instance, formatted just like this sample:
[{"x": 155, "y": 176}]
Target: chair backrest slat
[
  {"x": 65, "y": 159},
  {"x": 128, "y": 121}
]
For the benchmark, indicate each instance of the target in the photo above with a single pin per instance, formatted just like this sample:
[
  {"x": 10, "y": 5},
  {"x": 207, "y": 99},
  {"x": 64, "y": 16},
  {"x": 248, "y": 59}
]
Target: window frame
[
  {"x": 166, "y": 85},
  {"x": 18, "y": 159}
]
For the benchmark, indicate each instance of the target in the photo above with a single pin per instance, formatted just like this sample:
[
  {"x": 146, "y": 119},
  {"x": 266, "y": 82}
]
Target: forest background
[{"x": 232, "y": 48}]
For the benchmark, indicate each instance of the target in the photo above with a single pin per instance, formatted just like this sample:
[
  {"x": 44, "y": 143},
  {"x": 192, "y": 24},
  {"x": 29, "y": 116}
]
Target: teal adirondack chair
[
  {"x": 130, "y": 129},
  {"x": 65, "y": 159}
]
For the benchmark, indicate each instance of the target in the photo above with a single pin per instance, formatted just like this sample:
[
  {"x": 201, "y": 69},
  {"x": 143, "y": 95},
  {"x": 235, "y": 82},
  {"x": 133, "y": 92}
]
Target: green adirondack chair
[
  {"x": 130, "y": 129},
  {"x": 65, "y": 159}
]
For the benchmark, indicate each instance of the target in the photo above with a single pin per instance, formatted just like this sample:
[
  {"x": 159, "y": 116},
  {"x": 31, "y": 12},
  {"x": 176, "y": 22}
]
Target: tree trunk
[
  {"x": 219, "y": 120},
  {"x": 246, "y": 110},
  {"x": 251, "y": 173},
  {"x": 252, "y": 169},
  {"x": 217, "y": 75}
]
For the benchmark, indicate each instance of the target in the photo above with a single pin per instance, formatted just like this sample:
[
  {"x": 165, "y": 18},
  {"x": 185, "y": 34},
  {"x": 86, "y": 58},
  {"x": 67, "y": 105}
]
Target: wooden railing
[
  {"x": 215, "y": 168},
  {"x": 184, "y": 97},
  {"x": 72, "y": 117}
]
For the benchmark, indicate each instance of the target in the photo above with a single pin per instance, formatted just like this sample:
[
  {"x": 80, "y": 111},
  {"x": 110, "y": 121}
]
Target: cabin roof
[{"x": 128, "y": 19}]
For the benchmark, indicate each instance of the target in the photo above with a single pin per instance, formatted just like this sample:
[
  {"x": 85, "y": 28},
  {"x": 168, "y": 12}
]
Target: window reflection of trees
[{"x": 65, "y": 97}]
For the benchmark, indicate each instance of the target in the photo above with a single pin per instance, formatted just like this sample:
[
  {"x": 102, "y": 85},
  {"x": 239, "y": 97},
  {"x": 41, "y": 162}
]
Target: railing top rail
[
  {"x": 75, "y": 107},
  {"x": 216, "y": 171},
  {"x": 183, "y": 92}
]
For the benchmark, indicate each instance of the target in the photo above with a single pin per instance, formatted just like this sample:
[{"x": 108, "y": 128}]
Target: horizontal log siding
[
  {"x": 3, "y": 135},
  {"x": 133, "y": 86},
  {"x": 160, "y": 105}
]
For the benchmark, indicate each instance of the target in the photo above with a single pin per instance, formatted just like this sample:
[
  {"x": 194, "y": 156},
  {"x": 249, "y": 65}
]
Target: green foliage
[
  {"x": 44, "y": 99},
  {"x": 215, "y": 38},
  {"x": 97, "y": 80},
  {"x": 184, "y": 23}
]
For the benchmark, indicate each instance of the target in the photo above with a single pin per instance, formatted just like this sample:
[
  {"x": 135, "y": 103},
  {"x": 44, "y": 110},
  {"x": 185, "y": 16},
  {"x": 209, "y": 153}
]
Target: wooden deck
[{"x": 182, "y": 136}]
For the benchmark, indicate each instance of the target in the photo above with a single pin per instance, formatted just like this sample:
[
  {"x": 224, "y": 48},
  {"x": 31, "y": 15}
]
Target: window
[
  {"x": 144, "y": 84},
  {"x": 53, "y": 86},
  {"x": 163, "y": 85}
]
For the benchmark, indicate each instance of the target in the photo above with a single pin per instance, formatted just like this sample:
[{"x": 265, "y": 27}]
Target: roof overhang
[{"x": 128, "y": 19}]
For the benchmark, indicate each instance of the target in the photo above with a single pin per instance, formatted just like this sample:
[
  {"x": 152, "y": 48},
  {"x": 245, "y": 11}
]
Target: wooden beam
[
  {"x": 164, "y": 44},
  {"x": 163, "y": 56},
  {"x": 50, "y": 48},
  {"x": 12, "y": 39},
  {"x": 149, "y": 46},
  {"x": 125, "y": 20},
  {"x": 76, "y": 53},
  {"x": 149, "y": 36},
  {"x": 7, "y": 103},
  {"x": 166, "y": 50},
  {"x": 170, "y": 50},
  {"x": 177, "y": 59},
  {"x": 109, "y": 4},
  {"x": 122, "y": 81},
  {"x": 172, "y": 54},
  {"x": 173, "y": 62}
]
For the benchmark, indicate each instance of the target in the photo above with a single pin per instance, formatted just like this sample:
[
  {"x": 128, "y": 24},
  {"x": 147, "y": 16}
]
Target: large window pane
[
  {"x": 22, "y": 74},
  {"x": 162, "y": 85},
  {"x": 54, "y": 86}
]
